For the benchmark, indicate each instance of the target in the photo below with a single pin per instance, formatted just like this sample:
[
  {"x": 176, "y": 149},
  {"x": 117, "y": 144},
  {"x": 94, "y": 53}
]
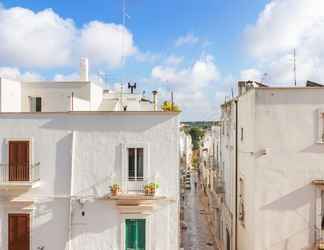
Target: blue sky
[{"x": 198, "y": 49}]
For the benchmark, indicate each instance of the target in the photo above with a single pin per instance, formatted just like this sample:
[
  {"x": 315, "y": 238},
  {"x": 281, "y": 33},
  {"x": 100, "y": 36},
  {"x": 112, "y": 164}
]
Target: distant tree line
[{"x": 196, "y": 134}]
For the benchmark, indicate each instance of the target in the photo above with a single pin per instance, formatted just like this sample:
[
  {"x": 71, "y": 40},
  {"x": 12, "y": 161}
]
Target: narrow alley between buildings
[{"x": 195, "y": 230}]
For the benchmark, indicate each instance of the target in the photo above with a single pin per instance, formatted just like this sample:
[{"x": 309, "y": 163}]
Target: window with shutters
[
  {"x": 320, "y": 135},
  {"x": 19, "y": 161},
  {"x": 135, "y": 169},
  {"x": 135, "y": 164},
  {"x": 18, "y": 232},
  {"x": 242, "y": 134},
  {"x": 241, "y": 202},
  {"x": 135, "y": 233},
  {"x": 35, "y": 104}
]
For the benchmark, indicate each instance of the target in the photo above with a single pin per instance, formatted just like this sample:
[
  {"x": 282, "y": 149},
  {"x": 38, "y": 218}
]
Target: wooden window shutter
[{"x": 19, "y": 161}]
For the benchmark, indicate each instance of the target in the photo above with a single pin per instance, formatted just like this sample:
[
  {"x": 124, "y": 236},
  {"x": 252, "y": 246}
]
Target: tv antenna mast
[
  {"x": 125, "y": 16},
  {"x": 123, "y": 57}
]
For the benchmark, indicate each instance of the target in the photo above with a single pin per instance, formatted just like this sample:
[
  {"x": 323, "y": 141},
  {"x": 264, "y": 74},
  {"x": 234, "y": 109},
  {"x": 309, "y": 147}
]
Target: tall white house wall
[
  {"x": 51, "y": 148},
  {"x": 96, "y": 159},
  {"x": 10, "y": 95},
  {"x": 246, "y": 167},
  {"x": 280, "y": 199},
  {"x": 228, "y": 148}
]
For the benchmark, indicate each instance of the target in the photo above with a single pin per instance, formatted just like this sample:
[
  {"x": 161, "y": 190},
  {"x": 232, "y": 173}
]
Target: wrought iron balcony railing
[
  {"x": 10, "y": 174},
  {"x": 135, "y": 185}
]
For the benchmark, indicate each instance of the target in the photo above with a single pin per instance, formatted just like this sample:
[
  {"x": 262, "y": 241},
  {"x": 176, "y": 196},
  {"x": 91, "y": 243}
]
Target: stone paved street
[{"x": 197, "y": 235}]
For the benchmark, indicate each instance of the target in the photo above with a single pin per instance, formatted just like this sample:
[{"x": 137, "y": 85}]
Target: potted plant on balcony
[
  {"x": 114, "y": 189},
  {"x": 150, "y": 189}
]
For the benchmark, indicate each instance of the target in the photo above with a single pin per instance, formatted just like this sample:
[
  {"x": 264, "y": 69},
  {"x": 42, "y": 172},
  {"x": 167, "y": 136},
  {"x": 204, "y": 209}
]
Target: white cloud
[
  {"x": 188, "y": 39},
  {"x": 251, "y": 74},
  {"x": 281, "y": 27},
  {"x": 30, "y": 39},
  {"x": 106, "y": 43},
  {"x": 173, "y": 60},
  {"x": 147, "y": 57},
  {"x": 191, "y": 86},
  {"x": 16, "y": 74},
  {"x": 68, "y": 77},
  {"x": 44, "y": 39},
  {"x": 202, "y": 73}
]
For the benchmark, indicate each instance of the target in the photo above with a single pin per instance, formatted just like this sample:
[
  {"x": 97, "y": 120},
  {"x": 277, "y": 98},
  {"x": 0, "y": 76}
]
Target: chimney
[
  {"x": 155, "y": 104},
  {"x": 84, "y": 69},
  {"x": 241, "y": 87}
]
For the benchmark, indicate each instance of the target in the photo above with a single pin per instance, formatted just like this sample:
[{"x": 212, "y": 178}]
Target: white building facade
[
  {"x": 185, "y": 150},
  {"x": 274, "y": 168},
  {"x": 63, "y": 146}
]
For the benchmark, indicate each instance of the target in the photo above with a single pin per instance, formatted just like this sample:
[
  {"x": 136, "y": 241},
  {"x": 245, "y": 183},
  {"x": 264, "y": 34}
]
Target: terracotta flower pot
[{"x": 152, "y": 191}]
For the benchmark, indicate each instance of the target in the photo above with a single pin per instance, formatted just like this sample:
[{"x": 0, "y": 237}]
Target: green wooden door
[{"x": 135, "y": 234}]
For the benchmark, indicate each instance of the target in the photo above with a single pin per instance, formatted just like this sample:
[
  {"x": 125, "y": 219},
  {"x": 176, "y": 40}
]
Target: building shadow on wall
[
  {"x": 63, "y": 166},
  {"x": 100, "y": 185},
  {"x": 315, "y": 149},
  {"x": 106, "y": 122},
  {"x": 292, "y": 202},
  {"x": 50, "y": 225}
]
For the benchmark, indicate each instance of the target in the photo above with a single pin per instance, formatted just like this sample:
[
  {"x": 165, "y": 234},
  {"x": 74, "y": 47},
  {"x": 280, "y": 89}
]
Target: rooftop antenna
[
  {"x": 123, "y": 58},
  {"x": 132, "y": 87},
  {"x": 295, "y": 69}
]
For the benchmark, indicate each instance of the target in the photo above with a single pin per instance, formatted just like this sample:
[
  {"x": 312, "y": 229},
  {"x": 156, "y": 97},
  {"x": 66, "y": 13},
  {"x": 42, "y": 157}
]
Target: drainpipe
[
  {"x": 71, "y": 192},
  {"x": 236, "y": 169}
]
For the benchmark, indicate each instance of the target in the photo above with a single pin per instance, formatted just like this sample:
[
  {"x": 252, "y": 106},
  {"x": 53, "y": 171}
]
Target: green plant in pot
[
  {"x": 150, "y": 189},
  {"x": 114, "y": 189}
]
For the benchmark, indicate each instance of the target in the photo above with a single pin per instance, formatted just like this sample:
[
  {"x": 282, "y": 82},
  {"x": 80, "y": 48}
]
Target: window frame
[
  {"x": 242, "y": 134},
  {"x": 32, "y": 109},
  {"x": 136, "y": 177},
  {"x": 31, "y": 149},
  {"x": 241, "y": 201},
  {"x": 148, "y": 223},
  {"x": 320, "y": 124},
  {"x": 124, "y": 157}
]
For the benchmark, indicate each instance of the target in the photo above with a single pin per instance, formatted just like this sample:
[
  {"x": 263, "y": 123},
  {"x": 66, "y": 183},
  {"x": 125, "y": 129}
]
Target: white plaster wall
[
  {"x": 284, "y": 207},
  {"x": 52, "y": 149},
  {"x": 81, "y": 104},
  {"x": 56, "y": 96},
  {"x": 97, "y": 154},
  {"x": 10, "y": 95},
  {"x": 96, "y": 95},
  {"x": 227, "y": 164},
  {"x": 94, "y": 173},
  {"x": 228, "y": 156},
  {"x": 246, "y": 168}
]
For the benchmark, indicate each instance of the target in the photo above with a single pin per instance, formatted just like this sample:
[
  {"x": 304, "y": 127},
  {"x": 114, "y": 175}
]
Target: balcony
[
  {"x": 132, "y": 198},
  {"x": 17, "y": 177},
  {"x": 135, "y": 186}
]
